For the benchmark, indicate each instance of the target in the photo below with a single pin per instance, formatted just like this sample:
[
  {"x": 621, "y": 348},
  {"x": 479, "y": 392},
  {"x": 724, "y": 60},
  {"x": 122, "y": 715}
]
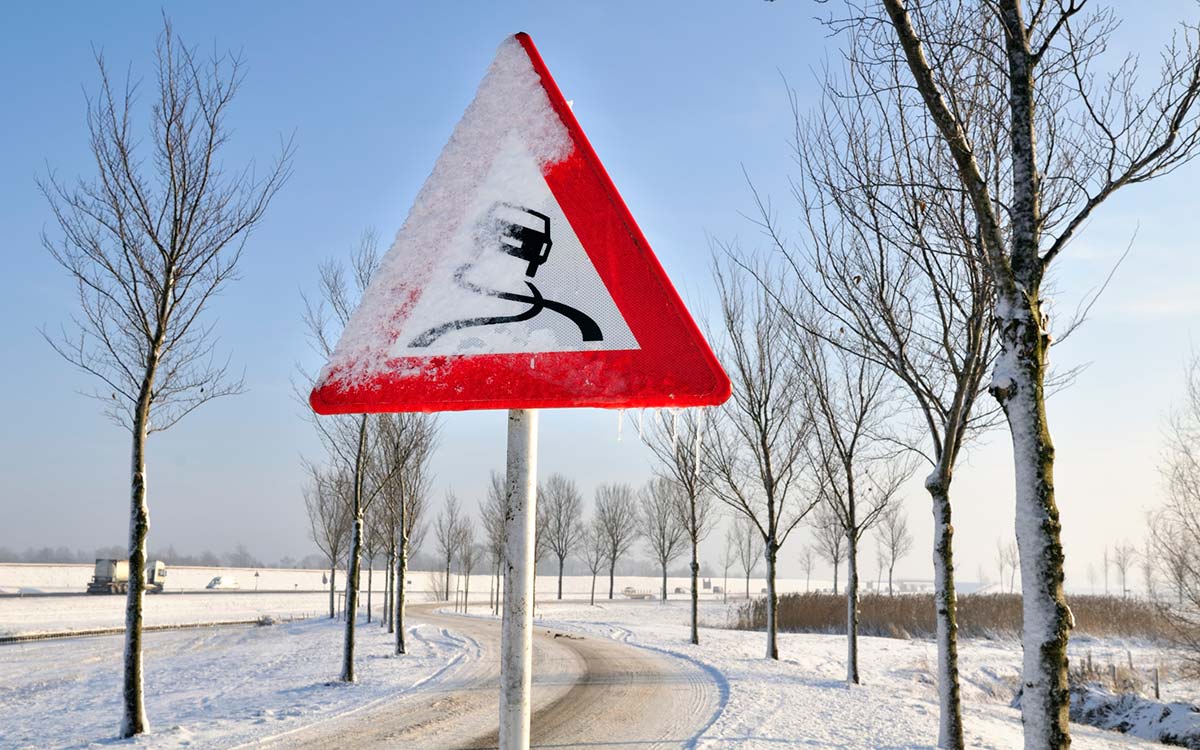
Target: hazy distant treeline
[{"x": 239, "y": 557}]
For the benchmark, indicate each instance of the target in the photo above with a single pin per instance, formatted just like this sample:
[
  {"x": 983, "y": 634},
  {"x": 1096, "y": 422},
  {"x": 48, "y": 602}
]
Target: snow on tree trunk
[
  {"x": 133, "y": 719},
  {"x": 388, "y": 587},
  {"x": 772, "y": 602},
  {"x": 352, "y": 597},
  {"x": 398, "y": 604},
  {"x": 1018, "y": 385},
  {"x": 851, "y": 609},
  {"x": 695, "y": 595},
  {"x": 332, "y": 590},
  {"x": 370, "y": 574},
  {"x": 950, "y": 725}
]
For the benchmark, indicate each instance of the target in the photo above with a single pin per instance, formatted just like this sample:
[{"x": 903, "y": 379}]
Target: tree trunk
[
  {"x": 133, "y": 720},
  {"x": 447, "y": 579},
  {"x": 387, "y": 587},
  {"x": 370, "y": 584},
  {"x": 725, "y": 588},
  {"x": 890, "y": 569},
  {"x": 398, "y": 603},
  {"x": 560, "y": 576},
  {"x": 851, "y": 609},
  {"x": 352, "y": 598},
  {"x": 695, "y": 594},
  {"x": 466, "y": 591},
  {"x": 747, "y": 586},
  {"x": 593, "y": 603},
  {"x": 664, "y": 583},
  {"x": 1018, "y": 385},
  {"x": 772, "y": 602},
  {"x": 950, "y": 725},
  {"x": 332, "y": 590},
  {"x": 835, "y": 579},
  {"x": 612, "y": 568}
]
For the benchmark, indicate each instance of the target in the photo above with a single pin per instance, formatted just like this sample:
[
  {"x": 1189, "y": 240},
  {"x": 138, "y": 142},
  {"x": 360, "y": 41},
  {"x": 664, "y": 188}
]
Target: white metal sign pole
[{"x": 516, "y": 635}]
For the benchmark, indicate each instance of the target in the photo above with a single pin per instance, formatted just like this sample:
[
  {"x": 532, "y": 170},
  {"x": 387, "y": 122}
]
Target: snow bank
[{"x": 1169, "y": 723}]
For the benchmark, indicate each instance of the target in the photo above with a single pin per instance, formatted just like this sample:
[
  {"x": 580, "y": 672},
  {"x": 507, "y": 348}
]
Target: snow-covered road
[{"x": 588, "y": 691}]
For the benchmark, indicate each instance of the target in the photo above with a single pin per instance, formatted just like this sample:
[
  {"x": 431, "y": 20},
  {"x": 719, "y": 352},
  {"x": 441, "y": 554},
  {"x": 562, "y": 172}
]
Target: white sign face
[{"x": 513, "y": 278}]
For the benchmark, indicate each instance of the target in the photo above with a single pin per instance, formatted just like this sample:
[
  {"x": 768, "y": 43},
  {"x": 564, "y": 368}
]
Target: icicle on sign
[{"x": 519, "y": 279}]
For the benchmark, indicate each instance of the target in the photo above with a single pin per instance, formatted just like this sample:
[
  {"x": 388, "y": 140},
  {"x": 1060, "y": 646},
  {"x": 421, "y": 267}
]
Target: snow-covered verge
[
  {"x": 803, "y": 699},
  {"x": 1170, "y": 723},
  {"x": 210, "y": 688}
]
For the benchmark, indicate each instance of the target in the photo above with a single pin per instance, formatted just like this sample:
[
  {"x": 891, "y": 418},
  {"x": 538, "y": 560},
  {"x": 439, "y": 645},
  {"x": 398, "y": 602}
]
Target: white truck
[{"x": 112, "y": 577}]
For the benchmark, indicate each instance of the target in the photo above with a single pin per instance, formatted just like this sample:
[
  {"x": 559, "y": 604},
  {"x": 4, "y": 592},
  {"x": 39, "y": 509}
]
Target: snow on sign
[{"x": 519, "y": 279}]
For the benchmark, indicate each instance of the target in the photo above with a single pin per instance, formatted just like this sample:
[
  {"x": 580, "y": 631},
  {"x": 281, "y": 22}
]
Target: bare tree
[
  {"x": 563, "y": 507},
  {"x": 329, "y": 521},
  {"x": 447, "y": 532},
  {"x": 1124, "y": 555},
  {"x": 405, "y": 445},
  {"x": 755, "y": 451},
  {"x": 857, "y": 470},
  {"x": 1172, "y": 551},
  {"x": 374, "y": 541},
  {"x": 349, "y": 439},
  {"x": 493, "y": 512},
  {"x": 749, "y": 545},
  {"x": 1176, "y": 525},
  {"x": 410, "y": 440},
  {"x": 595, "y": 550},
  {"x": 808, "y": 561},
  {"x": 830, "y": 540},
  {"x": 891, "y": 260},
  {"x": 894, "y": 538},
  {"x": 617, "y": 514},
  {"x": 1007, "y": 560},
  {"x": 729, "y": 555},
  {"x": 149, "y": 241},
  {"x": 468, "y": 557},
  {"x": 658, "y": 502},
  {"x": 679, "y": 452},
  {"x": 1100, "y": 130}
]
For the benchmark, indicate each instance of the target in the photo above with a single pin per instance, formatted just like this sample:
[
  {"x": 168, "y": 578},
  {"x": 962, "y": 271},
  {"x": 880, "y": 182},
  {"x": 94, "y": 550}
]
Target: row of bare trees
[
  {"x": 370, "y": 491},
  {"x": 957, "y": 151}
]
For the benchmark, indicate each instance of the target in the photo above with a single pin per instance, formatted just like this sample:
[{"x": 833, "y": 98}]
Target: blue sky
[{"x": 676, "y": 100}]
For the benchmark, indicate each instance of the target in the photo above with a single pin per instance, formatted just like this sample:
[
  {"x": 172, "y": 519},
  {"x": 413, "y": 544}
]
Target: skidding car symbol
[{"x": 524, "y": 233}]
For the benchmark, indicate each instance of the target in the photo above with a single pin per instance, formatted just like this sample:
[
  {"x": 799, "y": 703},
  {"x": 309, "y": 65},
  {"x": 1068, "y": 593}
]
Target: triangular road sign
[{"x": 519, "y": 279}]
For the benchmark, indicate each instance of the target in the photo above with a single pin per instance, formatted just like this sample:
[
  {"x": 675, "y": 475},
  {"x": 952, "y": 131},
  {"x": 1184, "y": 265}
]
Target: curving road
[{"x": 587, "y": 691}]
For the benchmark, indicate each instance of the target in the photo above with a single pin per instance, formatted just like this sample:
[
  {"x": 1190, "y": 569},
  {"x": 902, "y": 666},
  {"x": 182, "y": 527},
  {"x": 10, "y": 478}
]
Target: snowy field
[
  {"x": 37, "y": 614},
  {"x": 225, "y": 687},
  {"x": 219, "y": 687}
]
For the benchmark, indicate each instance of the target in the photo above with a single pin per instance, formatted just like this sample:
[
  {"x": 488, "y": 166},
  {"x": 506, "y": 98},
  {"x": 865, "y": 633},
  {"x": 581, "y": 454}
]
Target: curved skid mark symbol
[{"x": 587, "y": 327}]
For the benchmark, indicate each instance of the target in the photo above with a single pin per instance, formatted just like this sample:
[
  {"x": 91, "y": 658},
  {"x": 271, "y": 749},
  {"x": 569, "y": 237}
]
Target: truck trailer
[{"x": 112, "y": 577}]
